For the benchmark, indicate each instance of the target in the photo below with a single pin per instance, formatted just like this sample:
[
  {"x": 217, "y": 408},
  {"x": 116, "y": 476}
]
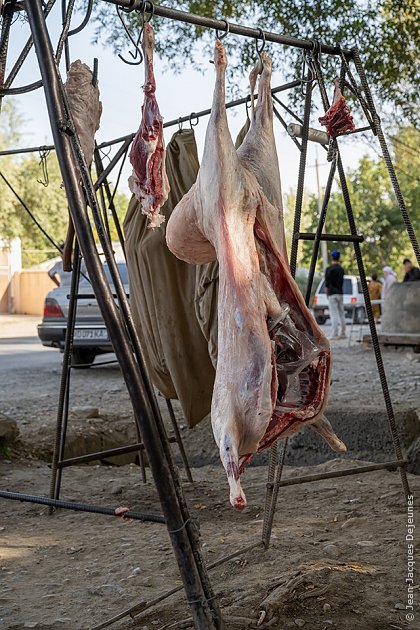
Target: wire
[{"x": 47, "y": 236}]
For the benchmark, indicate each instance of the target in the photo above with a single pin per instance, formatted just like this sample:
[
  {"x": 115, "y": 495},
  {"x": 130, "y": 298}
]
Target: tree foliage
[
  {"x": 375, "y": 209},
  {"x": 47, "y": 203},
  {"x": 386, "y": 32}
]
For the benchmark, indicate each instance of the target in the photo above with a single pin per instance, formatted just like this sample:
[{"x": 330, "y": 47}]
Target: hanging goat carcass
[
  {"x": 273, "y": 365},
  {"x": 149, "y": 182}
]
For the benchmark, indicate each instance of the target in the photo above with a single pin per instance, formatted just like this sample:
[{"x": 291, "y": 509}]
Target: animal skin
[{"x": 273, "y": 366}]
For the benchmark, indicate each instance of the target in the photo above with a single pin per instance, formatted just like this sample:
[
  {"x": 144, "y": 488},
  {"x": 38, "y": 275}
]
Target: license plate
[{"x": 91, "y": 334}]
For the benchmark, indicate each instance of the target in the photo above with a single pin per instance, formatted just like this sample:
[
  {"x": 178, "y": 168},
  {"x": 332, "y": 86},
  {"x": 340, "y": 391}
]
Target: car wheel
[
  {"x": 320, "y": 320},
  {"x": 81, "y": 358},
  {"x": 360, "y": 315}
]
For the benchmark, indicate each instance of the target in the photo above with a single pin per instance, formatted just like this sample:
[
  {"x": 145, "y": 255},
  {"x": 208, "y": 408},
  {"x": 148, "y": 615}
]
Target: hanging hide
[{"x": 162, "y": 290}]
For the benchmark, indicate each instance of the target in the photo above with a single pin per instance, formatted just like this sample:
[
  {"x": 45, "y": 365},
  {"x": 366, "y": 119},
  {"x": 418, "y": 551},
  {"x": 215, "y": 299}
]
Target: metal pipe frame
[
  {"x": 170, "y": 123},
  {"x": 203, "y": 606},
  {"x": 346, "y": 472},
  {"x": 185, "y": 548},
  {"x": 320, "y": 227},
  {"x": 335, "y": 238},
  {"x": 234, "y": 29},
  {"x": 111, "y": 452},
  {"x": 79, "y": 507}
]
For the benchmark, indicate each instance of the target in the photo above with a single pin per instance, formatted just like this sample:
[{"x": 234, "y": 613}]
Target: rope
[{"x": 175, "y": 531}]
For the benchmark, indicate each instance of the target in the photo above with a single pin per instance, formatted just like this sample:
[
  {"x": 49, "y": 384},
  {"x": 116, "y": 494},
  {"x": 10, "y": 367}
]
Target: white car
[
  {"x": 352, "y": 298},
  {"x": 90, "y": 334}
]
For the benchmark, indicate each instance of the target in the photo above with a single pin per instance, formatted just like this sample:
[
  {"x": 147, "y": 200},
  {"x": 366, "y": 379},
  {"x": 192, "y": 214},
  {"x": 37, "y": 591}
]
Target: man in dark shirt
[
  {"x": 334, "y": 276},
  {"x": 412, "y": 273}
]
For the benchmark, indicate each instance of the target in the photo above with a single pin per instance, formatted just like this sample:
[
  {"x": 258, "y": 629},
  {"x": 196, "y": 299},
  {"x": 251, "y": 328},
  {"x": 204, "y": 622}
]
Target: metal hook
[
  {"x": 308, "y": 57},
  {"x": 85, "y": 20},
  {"x": 248, "y": 106},
  {"x": 43, "y": 154},
  {"x": 179, "y": 124},
  {"x": 227, "y": 28},
  {"x": 136, "y": 44},
  {"x": 195, "y": 123},
  {"x": 260, "y": 49},
  {"x": 152, "y": 11}
]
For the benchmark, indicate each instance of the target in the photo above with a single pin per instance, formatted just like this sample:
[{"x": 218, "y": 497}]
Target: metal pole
[
  {"x": 324, "y": 249},
  {"x": 63, "y": 399},
  {"x": 363, "y": 281},
  {"x": 235, "y": 29},
  {"x": 185, "y": 549},
  {"x": 301, "y": 177},
  {"x": 319, "y": 229}
]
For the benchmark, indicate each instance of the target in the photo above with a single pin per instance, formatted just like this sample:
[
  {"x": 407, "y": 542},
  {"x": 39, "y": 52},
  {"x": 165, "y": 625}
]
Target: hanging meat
[
  {"x": 149, "y": 182},
  {"x": 338, "y": 119},
  {"x": 273, "y": 365}
]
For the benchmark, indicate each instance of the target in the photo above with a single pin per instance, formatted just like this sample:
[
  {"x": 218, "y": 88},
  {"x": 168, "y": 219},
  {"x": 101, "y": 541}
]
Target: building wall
[
  {"x": 31, "y": 287},
  {"x": 10, "y": 265}
]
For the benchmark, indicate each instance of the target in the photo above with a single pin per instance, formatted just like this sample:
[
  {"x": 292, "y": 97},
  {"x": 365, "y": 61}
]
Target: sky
[{"x": 178, "y": 95}]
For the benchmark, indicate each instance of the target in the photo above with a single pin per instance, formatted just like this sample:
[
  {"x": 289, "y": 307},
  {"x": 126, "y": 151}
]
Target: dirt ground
[{"x": 338, "y": 557}]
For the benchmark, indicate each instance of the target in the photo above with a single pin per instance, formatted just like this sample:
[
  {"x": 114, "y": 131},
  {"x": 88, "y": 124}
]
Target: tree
[
  {"x": 386, "y": 32},
  {"x": 47, "y": 203},
  {"x": 375, "y": 208}
]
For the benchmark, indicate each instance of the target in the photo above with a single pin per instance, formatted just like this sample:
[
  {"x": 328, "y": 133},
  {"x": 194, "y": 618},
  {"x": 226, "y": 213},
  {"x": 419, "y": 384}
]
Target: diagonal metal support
[{"x": 204, "y": 606}]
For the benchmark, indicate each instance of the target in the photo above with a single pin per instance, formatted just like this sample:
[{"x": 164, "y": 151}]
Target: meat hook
[
  {"x": 135, "y": 43},
  {"x": 308, "y": 57},
  {"x": 43, "y": 155},
  {"x": 260, "y": 48},
  {"x": 180, "y": 124},
  {"x": 227, "y": 28},
  {"x": 84, "y": 21},
  {"x": 196, "y": 119}
]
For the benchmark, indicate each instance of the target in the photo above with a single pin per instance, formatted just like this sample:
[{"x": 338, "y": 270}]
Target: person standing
[
  {"x": 412, "y": 273},
  {"x": 334, "y": 277},
  {"x": 389, "y": 279},
  {"x": 375, "y": 290}
]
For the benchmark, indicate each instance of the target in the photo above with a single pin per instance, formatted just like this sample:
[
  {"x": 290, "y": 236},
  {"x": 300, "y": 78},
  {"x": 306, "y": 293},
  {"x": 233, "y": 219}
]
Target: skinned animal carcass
[
  {"x": 273, "y": 365},
  {"x": 149, "y": 182}
]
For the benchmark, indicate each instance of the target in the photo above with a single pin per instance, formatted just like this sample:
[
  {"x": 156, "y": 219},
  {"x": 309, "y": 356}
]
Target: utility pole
[{"x": 324, "y": 250}]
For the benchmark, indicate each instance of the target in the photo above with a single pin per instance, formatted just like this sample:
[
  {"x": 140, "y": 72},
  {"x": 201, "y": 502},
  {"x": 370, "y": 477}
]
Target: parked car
[
  {"x": 352, "y": 298},
  {"x": 90, "y": 334},
  {"x": 301, "y": 278}
]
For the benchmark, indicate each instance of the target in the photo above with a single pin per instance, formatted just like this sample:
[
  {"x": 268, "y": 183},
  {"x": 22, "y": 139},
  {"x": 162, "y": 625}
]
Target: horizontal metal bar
[
  {"x": 335, "y": 474},
  {"x": 235, "y": 29},
  {"x": 95, "y": 365},
  {"x": 89, "y": 296},
  {"x": 112, "y": 452},
  {"x": 79, "y": 507},
  {"x": 171, "y": 123},
  {"x": 235, "y": 103},
  {"x": 339, "y": 238},
  {"x": 49, "y": 147},
  {"x": 359, "y": 130}
]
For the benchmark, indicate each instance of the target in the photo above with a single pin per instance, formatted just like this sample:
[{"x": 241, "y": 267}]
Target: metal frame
[{"x": 200, "y": 596}]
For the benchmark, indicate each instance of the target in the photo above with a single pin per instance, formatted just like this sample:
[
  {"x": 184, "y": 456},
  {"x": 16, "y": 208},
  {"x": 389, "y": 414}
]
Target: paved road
[{"x": 25, "y": 352}]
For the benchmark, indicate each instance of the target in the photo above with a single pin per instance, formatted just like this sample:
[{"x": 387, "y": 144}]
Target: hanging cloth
[
  {"x": 207, "y": 286},
  {"x": 162, "y": 290}
]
